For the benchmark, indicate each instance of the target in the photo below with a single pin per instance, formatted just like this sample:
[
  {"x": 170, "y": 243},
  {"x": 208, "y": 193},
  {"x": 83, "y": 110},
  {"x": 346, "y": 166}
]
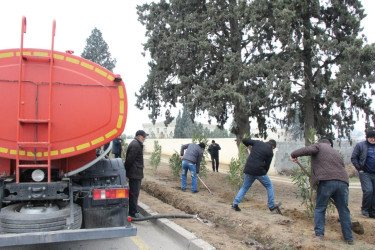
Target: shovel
[
  {"x": 357, "y": 227},
  {"x": 205, "y": 185}
]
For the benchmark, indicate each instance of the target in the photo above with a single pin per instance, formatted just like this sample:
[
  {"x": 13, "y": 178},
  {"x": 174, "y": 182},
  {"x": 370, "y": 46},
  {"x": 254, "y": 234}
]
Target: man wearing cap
[
  {"x": 329, "y": 174},
  {"x": 363, "y": 159},
  {"x": 134, "y": 170},
  {"x": 191, "y": 161},
  {"x": 256, "y": 168},
  {"x": 213, "y": 149}
]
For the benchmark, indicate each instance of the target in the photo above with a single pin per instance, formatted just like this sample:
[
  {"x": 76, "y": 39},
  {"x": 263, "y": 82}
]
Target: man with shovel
[
  {"x": 329, "y": 174},
  {"x": 191, "y": 160}
]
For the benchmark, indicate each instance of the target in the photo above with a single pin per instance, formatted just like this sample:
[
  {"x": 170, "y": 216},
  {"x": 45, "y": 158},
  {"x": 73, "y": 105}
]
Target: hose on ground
[{"x": 165, "y": 216}]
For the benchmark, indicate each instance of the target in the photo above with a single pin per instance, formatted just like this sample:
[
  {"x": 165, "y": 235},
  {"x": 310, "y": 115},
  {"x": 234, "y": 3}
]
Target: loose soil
[{"x": 255, "y": 227}]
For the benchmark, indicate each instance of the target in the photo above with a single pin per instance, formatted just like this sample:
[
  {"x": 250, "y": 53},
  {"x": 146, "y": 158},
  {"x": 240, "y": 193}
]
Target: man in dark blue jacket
[
  {"x": 117, "y": 147},
  {"x": 363, "y": 159},
  {"x": 134, "y": 170},
  {"x": 256, "y": 168}
]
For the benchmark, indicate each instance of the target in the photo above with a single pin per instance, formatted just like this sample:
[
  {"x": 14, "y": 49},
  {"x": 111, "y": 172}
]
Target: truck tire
[{"x": 12, "y": 221}]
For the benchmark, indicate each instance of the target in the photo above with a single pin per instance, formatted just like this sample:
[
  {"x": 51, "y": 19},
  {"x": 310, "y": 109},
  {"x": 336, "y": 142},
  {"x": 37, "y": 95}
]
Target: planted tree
[
  {"x": 155, "y": 156},
  {"x": 175, "y": 164},
  {"x": 236, "y": 167},
  {"x": 124, "y": 146},
  {"x": 197, "y": 138}
]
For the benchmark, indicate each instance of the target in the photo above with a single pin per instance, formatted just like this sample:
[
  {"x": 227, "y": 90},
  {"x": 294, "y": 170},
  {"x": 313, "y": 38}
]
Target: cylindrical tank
[{"x": 87, "y": 107}]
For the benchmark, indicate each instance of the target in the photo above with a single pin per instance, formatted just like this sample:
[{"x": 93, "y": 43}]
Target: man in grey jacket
[
  {"x": 191, "y": 161},
  {"x": 329, "y": 174}
]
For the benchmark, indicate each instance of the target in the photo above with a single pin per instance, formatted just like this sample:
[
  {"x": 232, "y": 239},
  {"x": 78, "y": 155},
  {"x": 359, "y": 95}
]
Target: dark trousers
[
  {"x": 215, "y": 161},
  {"x": 118, "y": 155},
  {"x": 339, "y": 192},
  {"x": 368, "y": 199},
  {"x": 134, "y": 188}
]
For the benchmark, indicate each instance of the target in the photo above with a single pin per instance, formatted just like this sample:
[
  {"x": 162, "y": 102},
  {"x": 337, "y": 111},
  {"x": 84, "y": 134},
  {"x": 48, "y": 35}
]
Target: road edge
[{"x": 186, "y": 238}]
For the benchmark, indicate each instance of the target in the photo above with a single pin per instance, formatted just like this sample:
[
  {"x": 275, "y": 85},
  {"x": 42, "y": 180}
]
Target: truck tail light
[{"x": 104, "y": 194}]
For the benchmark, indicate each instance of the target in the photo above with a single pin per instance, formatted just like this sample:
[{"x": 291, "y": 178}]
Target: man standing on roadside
[
  {"x": 256, "y": 168},
  {"x": 134, "y": 170},
  {"x": 191, "y": 161},
  {"x": 329, "y": 174},
  {"x": 363, "y": 159},
  {"x": 213, "y": 149}
]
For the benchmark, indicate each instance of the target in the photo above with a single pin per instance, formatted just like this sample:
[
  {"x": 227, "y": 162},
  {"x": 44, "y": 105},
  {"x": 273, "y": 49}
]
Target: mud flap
[{"x": 112, "y": 216}]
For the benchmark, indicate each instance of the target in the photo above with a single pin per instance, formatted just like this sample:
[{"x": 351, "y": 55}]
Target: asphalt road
[{"x": 149, "y": 236}]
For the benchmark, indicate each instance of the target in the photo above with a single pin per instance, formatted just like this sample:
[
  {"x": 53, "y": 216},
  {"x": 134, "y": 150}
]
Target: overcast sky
[{"x": 116, "y": 19}]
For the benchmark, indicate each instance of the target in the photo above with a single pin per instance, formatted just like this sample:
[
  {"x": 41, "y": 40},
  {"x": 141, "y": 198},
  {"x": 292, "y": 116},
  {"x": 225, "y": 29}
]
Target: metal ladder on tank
[{"x": 29, "y": 122}]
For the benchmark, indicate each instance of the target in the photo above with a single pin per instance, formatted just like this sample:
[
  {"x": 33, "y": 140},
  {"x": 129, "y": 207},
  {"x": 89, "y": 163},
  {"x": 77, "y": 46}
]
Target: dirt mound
[{"x": 255, "y": 226}]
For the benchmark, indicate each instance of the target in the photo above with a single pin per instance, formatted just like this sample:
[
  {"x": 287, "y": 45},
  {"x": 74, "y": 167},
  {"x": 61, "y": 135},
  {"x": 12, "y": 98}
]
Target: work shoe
[
  {"x": 136, "y": 215},
  {"x": 183, "y": 190},
  {"x": 195, "y": 191},
  {"x": 350, "y": 242},
  {"x": 236, "y": 207},
  {"x": 318, "y": 237},
  {"x": 276, "y": 207},
  {"x": 365, "y": 213}
]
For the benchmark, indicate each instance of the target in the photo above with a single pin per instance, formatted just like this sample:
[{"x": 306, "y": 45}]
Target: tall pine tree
[{"x": 96, "y": 50}]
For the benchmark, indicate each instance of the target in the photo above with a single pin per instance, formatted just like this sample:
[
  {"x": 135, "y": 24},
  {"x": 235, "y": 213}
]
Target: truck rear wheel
[{"x": 14, "y": 219}]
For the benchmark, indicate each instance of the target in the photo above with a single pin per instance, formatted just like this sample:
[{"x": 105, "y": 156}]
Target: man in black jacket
[
  {"x": 213, "y": 149},
  {"x": 256, "y": 168},
  {"x": 134, "y": 170},
  {"x": 363, "y": 159}
]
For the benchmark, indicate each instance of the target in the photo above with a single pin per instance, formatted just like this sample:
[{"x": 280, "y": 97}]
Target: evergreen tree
[
  {"x": 219, "y": 133},
  {"x": 96, "y": 50},
  {"x": 251, "y": 59},
  {"x": 184, "y": 128},
  {"x": 317, "y": 62}
]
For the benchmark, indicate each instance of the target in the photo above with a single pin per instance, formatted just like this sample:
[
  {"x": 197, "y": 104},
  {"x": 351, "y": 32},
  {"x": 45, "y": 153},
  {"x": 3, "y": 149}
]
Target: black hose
[{"x": 160, "y": 216}]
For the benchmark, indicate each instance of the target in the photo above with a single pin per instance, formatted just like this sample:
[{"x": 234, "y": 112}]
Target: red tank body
[{"x": 88, "y": 107}]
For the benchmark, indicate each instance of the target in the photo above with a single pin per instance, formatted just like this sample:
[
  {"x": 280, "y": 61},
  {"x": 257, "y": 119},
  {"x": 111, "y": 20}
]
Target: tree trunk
[
  {"x": 308, "y": 79},
  {"x": 243, "y": 124}
]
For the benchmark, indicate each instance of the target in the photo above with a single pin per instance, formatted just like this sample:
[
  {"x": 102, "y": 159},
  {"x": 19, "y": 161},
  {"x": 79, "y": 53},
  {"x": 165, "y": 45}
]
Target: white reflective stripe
[{"x": 102, "y": 194}]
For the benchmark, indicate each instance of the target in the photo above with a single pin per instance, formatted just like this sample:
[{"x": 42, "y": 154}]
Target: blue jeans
[
  {"x": 193, "y": 171},
  {"x": 248, "y": 181},
  {"x": 368, "y": 198},
  {"x": 339, "y": 192}
]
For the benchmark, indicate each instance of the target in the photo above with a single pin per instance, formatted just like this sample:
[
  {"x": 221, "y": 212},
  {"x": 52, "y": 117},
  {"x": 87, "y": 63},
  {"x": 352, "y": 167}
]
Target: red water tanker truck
[{"x": 56, "y": 109}]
